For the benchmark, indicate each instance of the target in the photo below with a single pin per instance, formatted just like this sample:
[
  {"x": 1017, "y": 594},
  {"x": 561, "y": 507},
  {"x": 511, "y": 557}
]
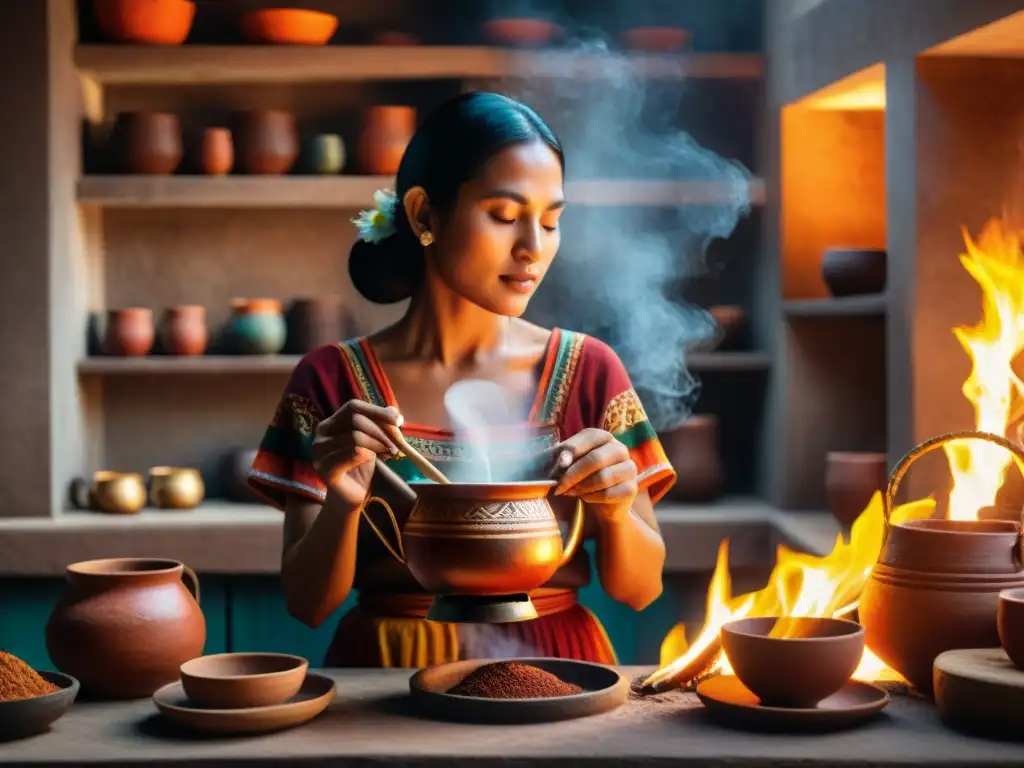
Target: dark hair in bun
[{"x": 447, "y": 150}]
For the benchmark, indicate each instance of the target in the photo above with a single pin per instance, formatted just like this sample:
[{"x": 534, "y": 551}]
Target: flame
[
  {"x": 804, "y": 585},
  {"x": 979, "y": 468}
]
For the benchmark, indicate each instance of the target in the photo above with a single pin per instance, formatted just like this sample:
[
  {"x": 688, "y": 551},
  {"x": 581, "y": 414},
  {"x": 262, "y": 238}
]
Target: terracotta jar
[
  {"x": 313, "y": 322},
  {"x": 854, "y": 271},
  {"x": 692, "y": 450},
  {"x": 386, "y": 133},
  {"x": 936, "y": 584},
  {"x": 851, "y": 479},
  {"x": 129, "y": 332},
  {"x": 257, "y": 327},
  {"x": 147, "y": 143},
  {"x": 217, "y": 153},
  {"x": 268, "y": 142},
  {"x": 124, "y": 626},
  {"x": 152, "y": 22},
  {"x": 183, "y": 330},
  {"x": 731, "y": 320}
]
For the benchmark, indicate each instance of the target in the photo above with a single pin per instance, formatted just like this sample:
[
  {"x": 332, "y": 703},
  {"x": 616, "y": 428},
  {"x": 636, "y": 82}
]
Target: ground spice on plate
[
  {"x": 19, "y": 681},
  {"x": 510, "y": 680}
]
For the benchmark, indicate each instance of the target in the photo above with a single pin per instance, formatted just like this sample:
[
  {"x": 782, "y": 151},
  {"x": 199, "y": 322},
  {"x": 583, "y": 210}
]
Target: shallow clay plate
[
  {"x": 728, "y": 700},
  {"x": 27, "y": 717},
  {"x": 604, "y": 689},
  {"x": 316, "y": 693}
]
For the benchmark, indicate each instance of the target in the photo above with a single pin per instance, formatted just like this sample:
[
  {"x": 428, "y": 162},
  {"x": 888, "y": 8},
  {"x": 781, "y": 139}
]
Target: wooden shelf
[
  {"x": 171, "y": 65},
  {"x": 285, "y": 364},
  {"x": 350, "y": 192},
  {"x": 847, "y": 306}
]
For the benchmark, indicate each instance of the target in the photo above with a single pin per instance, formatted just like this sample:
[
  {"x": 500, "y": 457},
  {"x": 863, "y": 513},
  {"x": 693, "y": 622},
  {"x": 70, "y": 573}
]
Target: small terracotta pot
[
  {"x": 149, "y": 22},
  {"x": 1010, "y": 623},
  {"x": 523, "y": 32},
  {"x": 732, "y": 320},
  {"x": 288, "y": 26},
  {"x": 183, "y": 330},
  {"x": 257, "y": 326},
  {"x": 656, "y": 39},
  {"x": 268, "y": 142},
  {"x": 129, "y": 332},
  {"x": 851, "y": 479},
  {"x": 217, "y": 154},
  {"x": 692, "y": 450},
  {"x": 793, "y": 662},
  {"x": 386, "y": 133},
  {"x": 854, "y": 271},
  {"x": 147, "y": 143},
  {"x": 314, "y": 322}
]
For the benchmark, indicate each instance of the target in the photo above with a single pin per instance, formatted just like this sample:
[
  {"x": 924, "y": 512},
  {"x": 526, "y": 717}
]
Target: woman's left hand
[{"x": 596, "y": 467}]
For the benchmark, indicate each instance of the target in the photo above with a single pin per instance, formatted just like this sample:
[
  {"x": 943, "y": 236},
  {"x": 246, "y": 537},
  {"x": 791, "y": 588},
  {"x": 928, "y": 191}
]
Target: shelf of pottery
[{"x": 166, "y": 182}]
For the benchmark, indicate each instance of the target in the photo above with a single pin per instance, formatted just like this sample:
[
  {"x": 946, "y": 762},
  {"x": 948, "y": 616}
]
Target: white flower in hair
[{"x": 379, "y": 223}]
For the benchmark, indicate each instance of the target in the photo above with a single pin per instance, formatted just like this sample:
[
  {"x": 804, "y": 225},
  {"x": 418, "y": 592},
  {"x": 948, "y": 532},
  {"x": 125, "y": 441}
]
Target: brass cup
[
  {"x": 176, "y": 487},
  {"x": 119, "y": 493}
]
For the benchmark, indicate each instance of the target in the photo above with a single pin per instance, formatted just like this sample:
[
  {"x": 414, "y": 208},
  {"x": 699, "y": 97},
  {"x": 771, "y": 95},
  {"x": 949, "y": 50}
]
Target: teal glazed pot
[
  {"x": 257, "y": 327},
  {"x": 327, "y": 154}
]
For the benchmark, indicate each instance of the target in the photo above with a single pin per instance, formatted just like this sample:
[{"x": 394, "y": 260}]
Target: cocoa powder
[
  {"x": 511, "y": 680},
  {"x": 19, "y": 681}
]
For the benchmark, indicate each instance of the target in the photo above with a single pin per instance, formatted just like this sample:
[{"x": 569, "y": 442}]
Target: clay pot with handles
[
  {"x": 124, "y": 626},
  {"x": 936, "y": 584}
]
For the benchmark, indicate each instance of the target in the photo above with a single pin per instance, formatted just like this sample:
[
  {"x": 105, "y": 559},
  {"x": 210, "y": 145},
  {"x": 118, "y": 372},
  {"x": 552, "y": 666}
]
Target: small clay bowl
[
  {"x": 1010, "y": 620},
  {"x": 809, "y": 661},
  {"x": 243, "y": 680},
  {"x": 521, "y": 32},
  {"x": 27, "y": 717}
]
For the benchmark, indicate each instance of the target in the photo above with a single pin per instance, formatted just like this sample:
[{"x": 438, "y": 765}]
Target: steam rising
[
  {"x": 486, "y": 641},
  {"x": 618, "y": 267},
  {"x": 488, "y": 426}
]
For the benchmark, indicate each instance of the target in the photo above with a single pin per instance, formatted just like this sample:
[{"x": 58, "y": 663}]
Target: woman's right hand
[{"x": 346, "y": 444}]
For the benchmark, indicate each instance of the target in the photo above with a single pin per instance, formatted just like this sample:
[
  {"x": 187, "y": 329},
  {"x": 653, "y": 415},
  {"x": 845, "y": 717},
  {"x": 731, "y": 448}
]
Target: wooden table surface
[{"x": 370, "y": 723}]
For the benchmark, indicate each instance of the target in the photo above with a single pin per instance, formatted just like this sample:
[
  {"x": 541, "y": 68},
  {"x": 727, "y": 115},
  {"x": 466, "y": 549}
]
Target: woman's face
[{"x": 502, "y": 234}]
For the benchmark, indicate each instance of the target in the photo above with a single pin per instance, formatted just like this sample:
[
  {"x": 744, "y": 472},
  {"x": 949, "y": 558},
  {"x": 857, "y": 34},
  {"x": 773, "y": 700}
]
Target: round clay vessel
[
  {"x": 483, "y": 538},
  {"x": 656, "y": 39},
  {"x": 147, "y": 143},
  {"x": 288, "y": 26},
  {"x": 176, "y": 487},
  {"x": 936, "y": 584},
  {"x": 386, "y": 133},
  {"x": 851, "y": 479},
  {"x": 314, "y": 322},
  {"x": 1010, "y": 624},
  {"x": 732, "y": 321},
  {"x": 793, "y": 662},
  {"x": 124, "y": 626},
  {"x": 243, "y": 680},
  {"x": 129, "y": 332},
  {"x": 522, "y": 32},
  {"x": 268, "y": 142},
  {"x": 257, "y": 327},
  {"x": 184, "y": 330},
  {"x": 149, "y": 22},
  {"x": 854, "y": 271},
  {"x": 692, "y": 450},
  {"x": 217, "y": 153}
]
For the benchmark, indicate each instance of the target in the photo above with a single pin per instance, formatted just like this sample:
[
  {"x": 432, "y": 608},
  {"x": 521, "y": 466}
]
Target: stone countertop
[
  {"x": 246, "y": 539},
  {"x": 371, "y": 723}
]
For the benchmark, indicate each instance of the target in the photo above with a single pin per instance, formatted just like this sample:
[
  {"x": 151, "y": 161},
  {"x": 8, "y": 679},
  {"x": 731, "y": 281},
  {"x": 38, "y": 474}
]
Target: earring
[{"x": 426, "y": 238}]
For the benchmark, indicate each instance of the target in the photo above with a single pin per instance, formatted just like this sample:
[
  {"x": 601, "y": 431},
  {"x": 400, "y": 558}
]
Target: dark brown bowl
[
  {"x": 27, "y": 717},
  {"x": 808, "y": 662},
  {"x": 854, "y": 271},
  {"x": 1010, "y": 620}
]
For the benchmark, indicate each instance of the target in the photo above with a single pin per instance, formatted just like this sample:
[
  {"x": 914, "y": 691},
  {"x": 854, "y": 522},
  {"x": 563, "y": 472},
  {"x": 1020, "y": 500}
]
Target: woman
[{"x": 468, "y": 235}]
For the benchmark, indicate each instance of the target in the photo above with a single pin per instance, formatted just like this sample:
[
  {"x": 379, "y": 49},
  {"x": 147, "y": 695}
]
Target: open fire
[{"x": 805, "y": 585}]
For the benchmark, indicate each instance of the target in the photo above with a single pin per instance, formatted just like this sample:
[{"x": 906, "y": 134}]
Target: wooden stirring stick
[{"x": 429, "y": 470}]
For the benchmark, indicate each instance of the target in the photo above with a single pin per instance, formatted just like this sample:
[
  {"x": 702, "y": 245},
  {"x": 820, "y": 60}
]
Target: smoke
[
  {"x": 620, "y": 269},
  {"x": 486, "y": 641}
]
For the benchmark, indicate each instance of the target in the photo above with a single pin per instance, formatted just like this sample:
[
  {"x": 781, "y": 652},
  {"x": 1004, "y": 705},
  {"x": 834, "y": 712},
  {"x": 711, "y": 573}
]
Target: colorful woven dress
[{"x": 581, "y": 384}]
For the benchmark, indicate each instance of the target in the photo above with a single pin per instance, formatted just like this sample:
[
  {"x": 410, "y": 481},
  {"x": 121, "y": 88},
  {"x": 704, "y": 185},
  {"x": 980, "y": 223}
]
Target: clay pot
[
  {"x": 235, "y": 475},
  {"x": 183, "y": 330},
  {"x": 521, "y": 32},
  {"x": 793, "y": 662},
  {"x": 150, "y": 22},
  {"x": 854, "y": 271},
  {"x": 314, "y": 322},
  {"x": 268, "y": 142},
  {"x": 936, "y": 584},
  {"x": 1010, "y": 624},
  {"x": 118, "y": 493},
  {"x": 217, "y": 153},
  {"x": 386, "y": 133},
  {"x": 257, "y": 327},
  {"x": 656, "y": 39},
  {"x": 124, "y": 626},
  {"x": 692, "y": 450},
  {"x": 851, "y": 479},
  {"x": 129, "y": 332},
  {"x": 326, "y": 154},
  {"x": 147, "y": 143},
  {"x": 732, "y": 321},
  {"x": 289, "y": 26}
]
